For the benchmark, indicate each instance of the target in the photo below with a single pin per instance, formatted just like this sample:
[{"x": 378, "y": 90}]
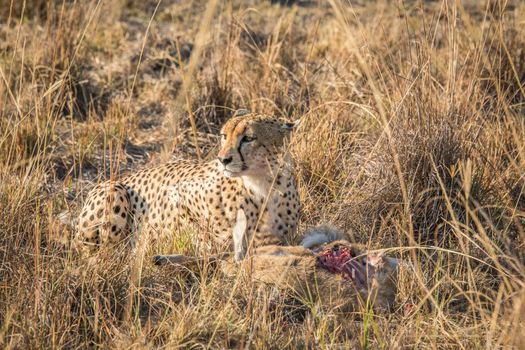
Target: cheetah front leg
[{"x": 240, "y": 243}]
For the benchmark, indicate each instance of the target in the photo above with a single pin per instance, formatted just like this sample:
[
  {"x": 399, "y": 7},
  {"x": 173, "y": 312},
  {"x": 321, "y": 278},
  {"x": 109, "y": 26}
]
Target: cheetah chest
[{"x": 278, "y": 218}]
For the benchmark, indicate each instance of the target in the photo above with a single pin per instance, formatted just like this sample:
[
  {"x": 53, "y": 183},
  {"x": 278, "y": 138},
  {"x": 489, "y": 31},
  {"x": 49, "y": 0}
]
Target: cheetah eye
[{"x": 247, "y": 139}]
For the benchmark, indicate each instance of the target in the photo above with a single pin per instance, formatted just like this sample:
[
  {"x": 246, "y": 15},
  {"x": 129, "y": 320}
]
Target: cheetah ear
[{"x": 290, "y": 126}]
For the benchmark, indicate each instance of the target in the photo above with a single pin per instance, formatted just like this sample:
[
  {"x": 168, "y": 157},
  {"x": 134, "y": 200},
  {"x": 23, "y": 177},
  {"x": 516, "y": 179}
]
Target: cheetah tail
[{"x": 319, "y": 235}]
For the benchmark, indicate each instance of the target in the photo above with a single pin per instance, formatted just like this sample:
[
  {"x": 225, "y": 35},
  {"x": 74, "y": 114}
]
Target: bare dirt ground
[{"x": 412, "y": 138}]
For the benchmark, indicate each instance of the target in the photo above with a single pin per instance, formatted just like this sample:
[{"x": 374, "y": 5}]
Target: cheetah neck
[
  {"x": 257, "y": 185},
  {"x": 273, "y": 180}
]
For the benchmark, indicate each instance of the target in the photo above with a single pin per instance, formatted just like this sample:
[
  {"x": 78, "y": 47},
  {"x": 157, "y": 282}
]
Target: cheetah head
[{"x": 252, "y": 144}]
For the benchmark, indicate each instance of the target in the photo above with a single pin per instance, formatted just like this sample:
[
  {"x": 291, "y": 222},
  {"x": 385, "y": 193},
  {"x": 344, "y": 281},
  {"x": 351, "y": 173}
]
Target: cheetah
[{"x": 247, "y": 195}]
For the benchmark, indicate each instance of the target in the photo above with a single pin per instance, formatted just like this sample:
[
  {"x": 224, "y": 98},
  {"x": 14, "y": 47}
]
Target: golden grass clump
[{"x": 412, "y": 139}]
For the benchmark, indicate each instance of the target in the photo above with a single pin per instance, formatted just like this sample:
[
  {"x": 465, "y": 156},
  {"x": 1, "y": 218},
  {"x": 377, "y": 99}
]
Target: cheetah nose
[{"x": 226, "y": 160}]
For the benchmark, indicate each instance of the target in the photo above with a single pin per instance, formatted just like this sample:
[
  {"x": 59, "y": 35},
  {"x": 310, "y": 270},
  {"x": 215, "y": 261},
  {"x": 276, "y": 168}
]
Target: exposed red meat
[{"x": 341, "y": 260}]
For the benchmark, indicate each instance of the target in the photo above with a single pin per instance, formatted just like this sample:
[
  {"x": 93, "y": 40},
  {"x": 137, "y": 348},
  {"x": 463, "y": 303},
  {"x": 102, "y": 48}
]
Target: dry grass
[{"x": 413, "y": 138}]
